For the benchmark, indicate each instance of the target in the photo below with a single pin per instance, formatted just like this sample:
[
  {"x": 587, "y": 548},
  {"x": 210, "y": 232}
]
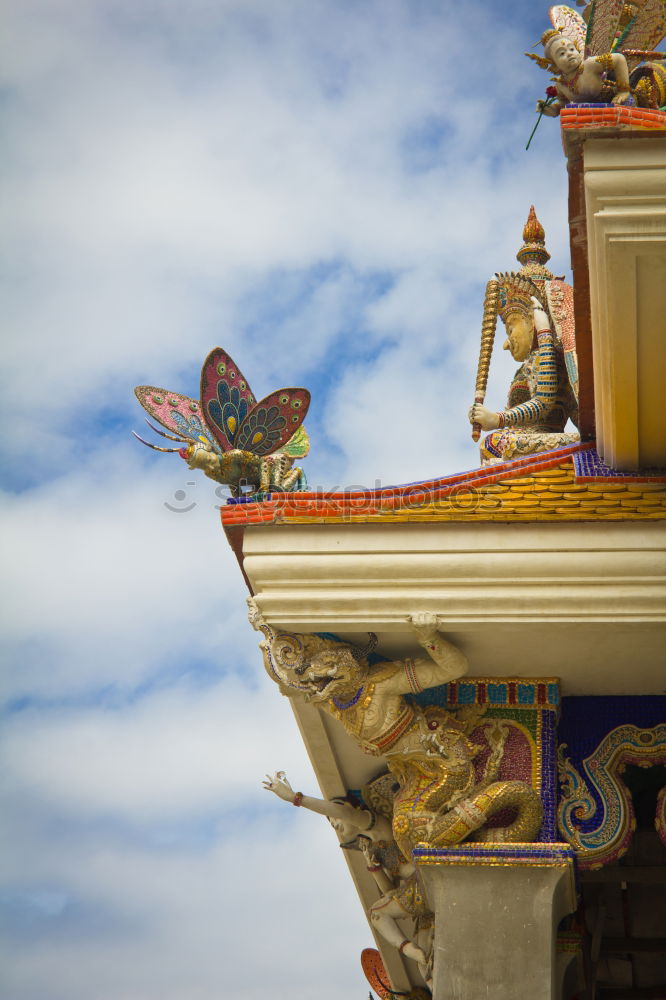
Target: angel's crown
[{"x": 548, "y": 36}]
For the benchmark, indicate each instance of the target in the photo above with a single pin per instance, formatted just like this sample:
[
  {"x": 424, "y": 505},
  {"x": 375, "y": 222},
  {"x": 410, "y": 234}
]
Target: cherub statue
[
  {"x": 537, "y": 311},
  {"x": 231, "y": 437},
  {"x": 427, "y": 749},
  {"x": 370, "y": 832},
  {"x": 600, "y": 61}
]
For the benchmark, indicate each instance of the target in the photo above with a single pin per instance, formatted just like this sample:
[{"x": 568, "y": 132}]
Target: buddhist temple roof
[{"x": 568, "y": 484}]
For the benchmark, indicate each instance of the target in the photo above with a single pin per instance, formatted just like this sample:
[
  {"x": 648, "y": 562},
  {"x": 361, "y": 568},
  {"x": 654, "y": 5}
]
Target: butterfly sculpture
[{"x": 235, "y": 440}]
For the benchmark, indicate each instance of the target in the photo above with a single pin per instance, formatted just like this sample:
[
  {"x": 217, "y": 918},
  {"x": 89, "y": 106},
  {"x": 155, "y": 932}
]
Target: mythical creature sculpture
[
  {"x": 439, "y": 800},
  {"x": 370, "y": 832},
  {"x": 537, "y": 311},
  {"x": 597, "y": 58},
  {"x": 231, "y": 437}
]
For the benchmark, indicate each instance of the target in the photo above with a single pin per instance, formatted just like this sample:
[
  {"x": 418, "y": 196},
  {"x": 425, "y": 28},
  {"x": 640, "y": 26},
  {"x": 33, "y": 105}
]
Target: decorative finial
[
  {"x": 533, "y": 230},
  {"x": 533, "y": 250}
]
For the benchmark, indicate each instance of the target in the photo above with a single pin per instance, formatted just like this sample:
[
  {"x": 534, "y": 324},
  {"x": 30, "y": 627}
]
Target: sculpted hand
[
  {"x": 488, "y": 420},
  {"x": 620, "y": 98},
  {"x": 424, "y": 624},
  {"x": 550, "y": 110},
  {"x": 368, "y": 850},
  {"x": 280, "y": 786},
  {"x": 541, "y": 321}
]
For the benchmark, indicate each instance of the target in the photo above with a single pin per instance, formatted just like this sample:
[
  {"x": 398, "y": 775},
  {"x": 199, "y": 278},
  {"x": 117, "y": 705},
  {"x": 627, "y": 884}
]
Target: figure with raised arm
[
  {"x": 364, "y": 829},
  {"x": 426, "y": 748}
]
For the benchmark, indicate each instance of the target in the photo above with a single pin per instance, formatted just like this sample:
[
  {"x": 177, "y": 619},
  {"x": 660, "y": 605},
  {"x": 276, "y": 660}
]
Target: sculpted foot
[{"x": 411, "y": 950}]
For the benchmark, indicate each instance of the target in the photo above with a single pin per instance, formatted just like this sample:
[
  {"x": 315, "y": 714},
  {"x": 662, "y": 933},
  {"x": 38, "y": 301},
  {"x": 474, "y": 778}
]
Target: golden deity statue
[{"x": 537, "y": 311}]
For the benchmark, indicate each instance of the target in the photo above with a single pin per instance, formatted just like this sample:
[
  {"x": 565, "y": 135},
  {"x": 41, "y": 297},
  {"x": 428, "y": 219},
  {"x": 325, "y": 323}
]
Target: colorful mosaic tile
[
  {"x": 545, "y": 487},
  {"x": 589, "y": 467},
  {"x": 604, "y": 116},
  {"x": 598, "y": 737},
  {"x": 530, "y": 707},
  {"x": 505, "y": 855}
]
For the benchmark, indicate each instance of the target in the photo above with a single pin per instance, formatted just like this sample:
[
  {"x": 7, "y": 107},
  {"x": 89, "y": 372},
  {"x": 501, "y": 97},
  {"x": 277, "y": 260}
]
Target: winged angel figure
[
  {"x": 605, "y": 56},
  {"x": 231, "y": 437}
]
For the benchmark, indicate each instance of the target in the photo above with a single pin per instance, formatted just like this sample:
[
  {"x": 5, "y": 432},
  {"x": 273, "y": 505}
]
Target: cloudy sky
[{"x": 322, "y": 187}]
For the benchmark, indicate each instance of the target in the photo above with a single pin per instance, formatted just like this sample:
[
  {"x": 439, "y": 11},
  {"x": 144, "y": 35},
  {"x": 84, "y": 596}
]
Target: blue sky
[{"x": 322, "y": 188}]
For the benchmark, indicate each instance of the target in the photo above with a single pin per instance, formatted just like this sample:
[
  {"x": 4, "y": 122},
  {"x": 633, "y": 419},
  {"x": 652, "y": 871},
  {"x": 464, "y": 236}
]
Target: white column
[{"x": 497, "y": 908}]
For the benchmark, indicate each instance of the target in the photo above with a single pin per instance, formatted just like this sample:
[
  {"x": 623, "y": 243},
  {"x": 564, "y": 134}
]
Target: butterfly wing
[
  {"x": 602, "y": 25},
  {"x": 226, "y": 397},
  {"x": 179, "y": 414},
  {"x": 298, "y": 445},
  {"x": 272, "y": 422},
  {"x": 645, "y": 30},
  {"x": 572, "y": 24}
]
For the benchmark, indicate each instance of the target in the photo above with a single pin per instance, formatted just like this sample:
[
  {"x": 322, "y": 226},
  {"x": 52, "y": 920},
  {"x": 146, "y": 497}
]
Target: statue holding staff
[{"x": 537, "y": 311}]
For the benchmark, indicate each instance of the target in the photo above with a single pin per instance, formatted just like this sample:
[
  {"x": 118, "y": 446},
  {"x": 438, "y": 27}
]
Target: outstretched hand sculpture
[
  {"x": 395, "y": 877},
  {"x": 428, "y": 750},
  {"x": 597, "y": 58},
  {"x": 231, "y": 437}
]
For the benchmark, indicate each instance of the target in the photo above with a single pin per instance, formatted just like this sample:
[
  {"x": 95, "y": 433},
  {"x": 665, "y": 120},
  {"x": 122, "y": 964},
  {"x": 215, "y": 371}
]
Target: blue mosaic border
[
  {"x": 588, "y": 465},
  {"x": 549, "y": 832},
  {"x": 587, "y": 719},
  {"x": 511, "y": 692},
  {"x": 504, "y": 854}
]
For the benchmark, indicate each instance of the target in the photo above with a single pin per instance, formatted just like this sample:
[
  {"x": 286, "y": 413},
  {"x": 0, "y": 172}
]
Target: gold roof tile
[
  {"x": 606, "y": 487},
  {"x": 545, "y": 494}
]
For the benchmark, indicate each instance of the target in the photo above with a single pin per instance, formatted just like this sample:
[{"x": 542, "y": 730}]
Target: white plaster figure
[
  {"x": 583, "y": 80},
  {"x": 395, "y": 877}
]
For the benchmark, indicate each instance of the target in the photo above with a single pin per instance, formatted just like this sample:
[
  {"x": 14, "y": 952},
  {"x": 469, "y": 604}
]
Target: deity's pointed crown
[{"x": 533, "y": 254}]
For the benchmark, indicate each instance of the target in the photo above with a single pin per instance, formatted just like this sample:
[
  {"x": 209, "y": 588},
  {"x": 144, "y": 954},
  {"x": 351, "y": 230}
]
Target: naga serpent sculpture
[{"x": 441, "y": 802}]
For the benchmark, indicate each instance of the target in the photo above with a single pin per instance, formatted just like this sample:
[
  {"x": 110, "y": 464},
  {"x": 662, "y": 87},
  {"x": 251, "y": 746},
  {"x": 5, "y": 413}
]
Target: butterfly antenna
[
  {"x": 163, "y": 433},
  {"x": 153, "y": 446}
]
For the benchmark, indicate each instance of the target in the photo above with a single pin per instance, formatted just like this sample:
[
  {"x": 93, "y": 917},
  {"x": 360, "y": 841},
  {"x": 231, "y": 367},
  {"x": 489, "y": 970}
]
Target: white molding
[
  {"x": 625, "y": 195},
  {"x": 575, "y": 600}
]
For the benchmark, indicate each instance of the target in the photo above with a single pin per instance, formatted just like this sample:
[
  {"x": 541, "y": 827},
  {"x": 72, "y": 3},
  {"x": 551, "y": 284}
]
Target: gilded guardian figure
[
  {"x": 537, "y": 311},
  {"x": 439, "y": 800}
]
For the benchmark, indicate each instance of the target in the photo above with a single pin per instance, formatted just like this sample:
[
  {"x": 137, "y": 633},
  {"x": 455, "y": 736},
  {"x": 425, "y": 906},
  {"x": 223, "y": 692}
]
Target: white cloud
[
  {"x": 265, "y": 907},
  {"x": 184, "y": 750},
  {"x": 323, "y": 189},
  {"x": 112, "y": 581}
]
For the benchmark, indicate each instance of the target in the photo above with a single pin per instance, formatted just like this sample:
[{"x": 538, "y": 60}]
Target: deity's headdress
[
  {"x": 548, "y": 37},
  {"x": 514, "y": 294},
  {"x": 511, "y": 291},
  {"x": 287, "y": 654}
]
